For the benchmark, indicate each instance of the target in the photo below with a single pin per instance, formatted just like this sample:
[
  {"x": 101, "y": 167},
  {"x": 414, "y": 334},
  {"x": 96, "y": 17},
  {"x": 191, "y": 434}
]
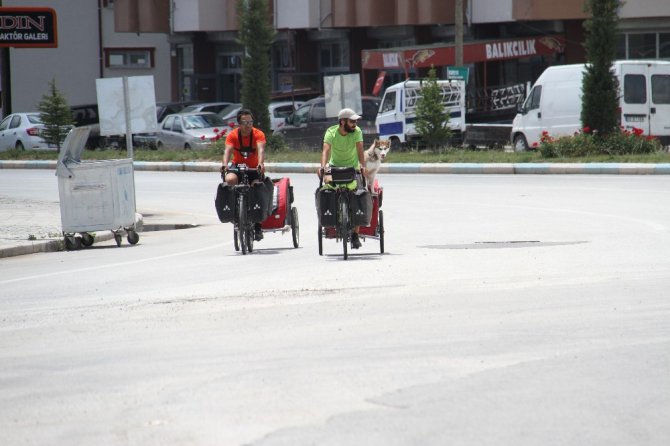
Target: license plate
[{"x": 635, "y": 118}]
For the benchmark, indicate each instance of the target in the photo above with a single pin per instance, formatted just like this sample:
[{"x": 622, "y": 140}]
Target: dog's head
[{"x": 380, "y": 148}]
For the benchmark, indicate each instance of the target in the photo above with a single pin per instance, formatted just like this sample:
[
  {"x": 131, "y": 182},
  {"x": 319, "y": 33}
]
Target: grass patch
[{"x": 288, "y": 156}]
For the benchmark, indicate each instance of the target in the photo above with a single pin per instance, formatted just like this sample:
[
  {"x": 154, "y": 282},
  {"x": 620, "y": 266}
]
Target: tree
[
  {"x": 432, "y": 122},
  {"x": 599, "y": 86},
  {"x": 56, "y": 115},
  {"x": 256, "y": 34}
]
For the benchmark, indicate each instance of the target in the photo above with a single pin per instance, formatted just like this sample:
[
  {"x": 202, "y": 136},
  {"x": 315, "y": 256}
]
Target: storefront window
[
  {"x": 664, "y": 46},
  {"x": 642, "y": 46},
  {"x": 334, "y": 56}
]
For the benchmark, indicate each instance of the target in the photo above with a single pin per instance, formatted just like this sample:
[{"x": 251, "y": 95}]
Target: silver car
[
  {"x": 23, "y": 131},
  {"x": 190, "y": 131}
]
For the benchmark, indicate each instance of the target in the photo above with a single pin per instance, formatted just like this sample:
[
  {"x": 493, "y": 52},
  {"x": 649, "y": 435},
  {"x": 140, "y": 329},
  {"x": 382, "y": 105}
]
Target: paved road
[{"x": 508, "y": 310}]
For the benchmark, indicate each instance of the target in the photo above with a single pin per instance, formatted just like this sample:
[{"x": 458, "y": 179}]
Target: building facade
[
  {"x": 88, "y": 48},
  {"x": 190, "y": 46}
]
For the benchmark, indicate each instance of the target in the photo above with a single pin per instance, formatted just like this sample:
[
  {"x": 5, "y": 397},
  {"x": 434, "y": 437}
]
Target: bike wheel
[
  {"x": 250, "y": 238},
  {"x": 242, "y": 234},
  {"x": 320, "y": 240},
  {"x": 380, "y": 228},
  {"x": 295, "y": 227},
  {"x": 343, "y": 219}
]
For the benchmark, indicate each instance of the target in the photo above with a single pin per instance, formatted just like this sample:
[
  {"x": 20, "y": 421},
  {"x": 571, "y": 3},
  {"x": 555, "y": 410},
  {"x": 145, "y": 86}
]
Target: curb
[{"x": 403, "y": 168}]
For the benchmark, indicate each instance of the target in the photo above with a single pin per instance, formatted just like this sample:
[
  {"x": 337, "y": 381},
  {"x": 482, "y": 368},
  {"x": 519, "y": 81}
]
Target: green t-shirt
[{"x": 343, "y": 151}]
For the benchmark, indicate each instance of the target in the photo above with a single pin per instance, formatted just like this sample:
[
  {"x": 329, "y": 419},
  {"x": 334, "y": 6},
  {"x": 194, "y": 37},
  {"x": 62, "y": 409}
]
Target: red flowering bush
[{"x": 587, "y": 142}]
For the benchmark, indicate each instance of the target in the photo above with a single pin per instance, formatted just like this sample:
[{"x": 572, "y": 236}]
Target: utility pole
[{"x": 458, "y": 28}]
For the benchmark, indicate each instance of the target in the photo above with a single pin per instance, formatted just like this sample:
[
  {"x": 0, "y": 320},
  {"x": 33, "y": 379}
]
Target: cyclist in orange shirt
[{"x": 245, "y": 145}]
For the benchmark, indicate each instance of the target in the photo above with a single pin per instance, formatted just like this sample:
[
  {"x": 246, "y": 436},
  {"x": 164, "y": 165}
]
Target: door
[
  {"x": 635, "y": 108},
  {"x": 659, "y": 113},
  {"x": 390, "y": 119},
  {"x": 529, "y": 120},
  {"x": 6, "y": 140}
]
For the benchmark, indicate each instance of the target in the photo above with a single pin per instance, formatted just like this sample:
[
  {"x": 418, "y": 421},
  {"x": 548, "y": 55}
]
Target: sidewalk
[{"x": 28, "y": 227}]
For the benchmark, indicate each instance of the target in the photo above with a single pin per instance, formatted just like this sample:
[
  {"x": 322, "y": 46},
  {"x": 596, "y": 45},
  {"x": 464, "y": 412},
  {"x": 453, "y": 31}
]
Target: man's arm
[
  {"x": 260, "y": 146},
  {"x": 361, "y": 156},
  {"x": 226, "y": 154},
  {"x": 325, "y": 155}
]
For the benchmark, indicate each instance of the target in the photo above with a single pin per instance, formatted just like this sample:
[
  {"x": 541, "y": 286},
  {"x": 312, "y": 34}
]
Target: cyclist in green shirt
[{"x": 343, "y": 147}]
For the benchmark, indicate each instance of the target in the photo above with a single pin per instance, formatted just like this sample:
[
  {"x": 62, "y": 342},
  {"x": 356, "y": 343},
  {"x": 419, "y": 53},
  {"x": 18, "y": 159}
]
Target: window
[
  {"x": 660, "y": 89},
  {"x": 283, "y": 55},
  {"x": 634, "y": 89},
  {"x": 334, "y": 56},
  {"x": 129, "y": 57},
  {"x": 389, "y": 102},
  {"x": 664, "y": 46},
  {"x": 533, "y": 100},
  {"x": 642, "y": 46},
  {"x": 167, "y": 125},
  {"x": 319, "y": 111}
]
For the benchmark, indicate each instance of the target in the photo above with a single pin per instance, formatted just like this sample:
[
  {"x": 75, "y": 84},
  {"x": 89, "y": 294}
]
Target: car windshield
[{"x": 202, "y": 121}]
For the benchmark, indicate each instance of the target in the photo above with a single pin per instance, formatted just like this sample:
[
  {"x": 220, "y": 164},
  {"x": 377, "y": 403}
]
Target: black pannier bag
[
  {"x": 361, "y": 207},
  {"x": 326, "y": 207},
  {"x": 342, "y": 175},
  {"x": 260, "y": 200},
  {"x": 225, "y": 203}
]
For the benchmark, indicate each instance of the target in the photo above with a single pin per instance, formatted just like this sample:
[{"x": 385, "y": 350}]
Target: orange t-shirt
[{"x": 233, "y": 139}]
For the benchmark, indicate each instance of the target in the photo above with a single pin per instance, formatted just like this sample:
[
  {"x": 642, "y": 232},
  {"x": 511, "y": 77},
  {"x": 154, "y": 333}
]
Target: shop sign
[{"x": 28, "y": 27}]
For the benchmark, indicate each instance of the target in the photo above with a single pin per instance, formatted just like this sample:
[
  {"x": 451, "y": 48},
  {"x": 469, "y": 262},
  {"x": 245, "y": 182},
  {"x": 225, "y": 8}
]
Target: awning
[{"x": 445, "y": 54}]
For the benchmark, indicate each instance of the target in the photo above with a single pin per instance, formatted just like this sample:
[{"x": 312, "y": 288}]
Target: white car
[
  {"x": 190, "y": 131},
  {"x": 278, "y": 111},
  {"x": 23, "y": 131}
]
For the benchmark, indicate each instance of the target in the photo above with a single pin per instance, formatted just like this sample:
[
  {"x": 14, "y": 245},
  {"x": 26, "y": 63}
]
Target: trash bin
[{"x": 94, "y": 195}]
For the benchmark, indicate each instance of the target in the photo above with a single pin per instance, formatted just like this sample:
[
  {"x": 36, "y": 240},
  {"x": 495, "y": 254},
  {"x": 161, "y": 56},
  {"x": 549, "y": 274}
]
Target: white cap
[{"x": 347, "y": 113}]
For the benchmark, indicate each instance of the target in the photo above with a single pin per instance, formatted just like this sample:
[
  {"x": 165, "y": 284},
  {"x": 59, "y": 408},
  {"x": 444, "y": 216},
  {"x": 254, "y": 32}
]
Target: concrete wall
[
  {"x": 162, "y": 59},
  {"x": 76, "y": 63},
  {"x": 486, "y": 11}
]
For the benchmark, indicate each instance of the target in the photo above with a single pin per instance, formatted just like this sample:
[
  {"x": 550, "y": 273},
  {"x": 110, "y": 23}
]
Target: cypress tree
[
  {"x": 432, "y": 123},
  {"x": 56, "y": 115},
  {"x": 599, "y": 86},
  {"x": 256, "y": 34}
]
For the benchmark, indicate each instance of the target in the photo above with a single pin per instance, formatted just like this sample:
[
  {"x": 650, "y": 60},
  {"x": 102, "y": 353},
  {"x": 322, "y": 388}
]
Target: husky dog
[{"x": 373, "y": 159}]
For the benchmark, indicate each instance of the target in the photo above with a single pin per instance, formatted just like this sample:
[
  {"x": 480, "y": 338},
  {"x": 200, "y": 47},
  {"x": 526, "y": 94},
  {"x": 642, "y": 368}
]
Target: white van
[
  {"x": 397, "y": 112},
  {"x": 554, "y": 104}
]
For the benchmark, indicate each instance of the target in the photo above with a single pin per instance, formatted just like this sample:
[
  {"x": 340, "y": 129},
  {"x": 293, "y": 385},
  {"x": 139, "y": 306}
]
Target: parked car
[
  {"x": 24, "y": 131},
  {"x": 229, "y": 114},
  {"x": 189, "y": 131},
  {"x": 148, "y": 140},
  {"x": 304, "y": 128},
  {"x": 213, "y": 107},
  {"x": 278, "y": 112}
]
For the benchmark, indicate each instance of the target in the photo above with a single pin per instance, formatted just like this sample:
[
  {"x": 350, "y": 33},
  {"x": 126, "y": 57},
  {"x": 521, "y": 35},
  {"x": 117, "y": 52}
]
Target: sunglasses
[{"x": 245, "y": 122}]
